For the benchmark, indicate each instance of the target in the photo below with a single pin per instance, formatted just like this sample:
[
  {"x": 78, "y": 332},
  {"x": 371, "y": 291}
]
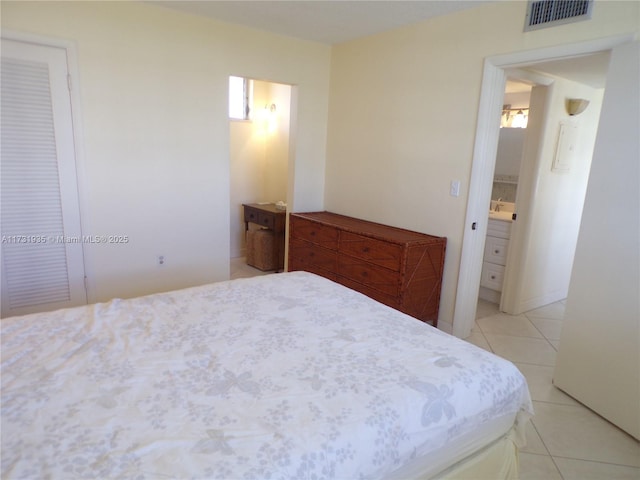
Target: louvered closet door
[{"x": 42, "y": 258}]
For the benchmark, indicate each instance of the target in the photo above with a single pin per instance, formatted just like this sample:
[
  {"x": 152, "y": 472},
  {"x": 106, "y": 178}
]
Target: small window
[{"x": 240, "y": 97}]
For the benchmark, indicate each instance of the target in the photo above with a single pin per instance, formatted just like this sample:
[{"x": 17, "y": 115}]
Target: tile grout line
[
  {"x": 540, "y": 331},
  {"x": 596, "y": 461},
  {"x": 535, "y": 364},
  {"x": 547, "y": 449},
  {"x": 533, "y": 320}
]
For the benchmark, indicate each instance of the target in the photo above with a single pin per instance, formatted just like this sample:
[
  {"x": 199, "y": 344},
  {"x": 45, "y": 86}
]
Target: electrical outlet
[{"x": 161, "y": 260}]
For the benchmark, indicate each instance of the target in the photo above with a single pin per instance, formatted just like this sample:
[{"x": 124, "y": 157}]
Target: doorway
[
  {"x": 494, "y": 79},
  {"x": 260, "y": 152},
  {"x": 513, "y": 129}
]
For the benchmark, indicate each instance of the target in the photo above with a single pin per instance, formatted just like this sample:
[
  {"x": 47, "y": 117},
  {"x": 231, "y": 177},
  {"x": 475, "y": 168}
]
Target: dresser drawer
[
  {"x": 389, "y": 300},
  {"x": 305, "y": 254},
  {"x": 374, "y": 251},
  {"x": 296, "y": 264},
  {"x": 320, "y": 234},
  {"x": 492, "y": 276},
  {"x": 495, "y": 250},
  {"x": 369, "y": 275}
]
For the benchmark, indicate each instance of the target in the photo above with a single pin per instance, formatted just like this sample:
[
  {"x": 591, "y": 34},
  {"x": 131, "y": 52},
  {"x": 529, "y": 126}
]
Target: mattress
[{"x": 280, "y": 376}]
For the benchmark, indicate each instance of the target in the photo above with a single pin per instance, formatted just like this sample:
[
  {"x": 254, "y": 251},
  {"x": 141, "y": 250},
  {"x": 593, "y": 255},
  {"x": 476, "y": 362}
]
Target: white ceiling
[
  {"x": 324, "y": 21},
  {"x": 588, "y": 69},
  {"x": 336, "y": 21}
]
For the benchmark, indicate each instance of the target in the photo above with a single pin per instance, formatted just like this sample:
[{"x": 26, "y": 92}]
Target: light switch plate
[{"x": 454, "y": 190}]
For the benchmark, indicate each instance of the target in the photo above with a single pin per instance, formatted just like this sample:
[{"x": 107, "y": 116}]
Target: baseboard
[
  {"x": 543, "y": 300},
  {"x": 489, "y": 295}
]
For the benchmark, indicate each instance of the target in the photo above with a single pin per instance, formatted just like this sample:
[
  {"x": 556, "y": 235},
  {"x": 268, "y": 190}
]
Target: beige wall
[
  {"x": 153, "y": 87},
  {"x": 153, "y": 91},
  {"x": 396, "y": 133}
]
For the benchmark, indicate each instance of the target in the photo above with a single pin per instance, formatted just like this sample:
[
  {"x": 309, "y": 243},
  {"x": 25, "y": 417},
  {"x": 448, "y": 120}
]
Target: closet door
[{"x": 42, "y": 257}]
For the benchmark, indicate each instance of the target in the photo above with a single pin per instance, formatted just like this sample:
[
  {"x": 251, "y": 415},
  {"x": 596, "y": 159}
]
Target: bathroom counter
[{"x": 504, "y": 216}]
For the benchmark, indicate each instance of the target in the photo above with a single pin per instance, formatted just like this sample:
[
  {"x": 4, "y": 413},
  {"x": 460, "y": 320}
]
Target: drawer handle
[
  {"x": 366, "y": 249},
  {"x": 496, "y": 251},
  {"x": 493, "y": 277},
  {"x": 313, "y": 234}
]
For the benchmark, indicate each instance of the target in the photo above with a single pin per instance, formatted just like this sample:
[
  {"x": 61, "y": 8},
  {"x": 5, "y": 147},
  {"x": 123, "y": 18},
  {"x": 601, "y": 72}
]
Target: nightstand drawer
[
  {"x": 266, "y": 220},
  {"x": 250, "y": 215}
]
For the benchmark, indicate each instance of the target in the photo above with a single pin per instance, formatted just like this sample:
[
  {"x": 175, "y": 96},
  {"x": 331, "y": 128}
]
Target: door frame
[
  {"x": 73, "y": 71},
  {"x": 483, "y": 163}
]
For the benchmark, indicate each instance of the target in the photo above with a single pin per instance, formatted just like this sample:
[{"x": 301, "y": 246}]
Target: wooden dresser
[{"x": 400, "y": 268}]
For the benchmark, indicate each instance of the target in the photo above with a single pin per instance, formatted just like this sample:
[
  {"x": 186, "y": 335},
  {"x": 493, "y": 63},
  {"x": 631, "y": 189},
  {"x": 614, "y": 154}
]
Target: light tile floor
[
  {"x": 565, "y": 440},
  {"x": 240, "y": 269}
]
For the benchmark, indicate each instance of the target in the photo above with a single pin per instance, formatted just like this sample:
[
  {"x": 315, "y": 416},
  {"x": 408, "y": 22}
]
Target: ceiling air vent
[{"x": 549, "y": 13}]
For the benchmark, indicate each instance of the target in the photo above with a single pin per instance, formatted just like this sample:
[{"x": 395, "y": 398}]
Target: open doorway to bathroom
[
  {"x": 552, "y": 160},
  {"x": 513, "y": 128},
  {"x": 260, "y": 126},
  {"x": 576, "y": 60}
]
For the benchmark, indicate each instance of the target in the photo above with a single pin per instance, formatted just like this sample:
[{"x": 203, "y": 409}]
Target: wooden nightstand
[{"x": 268, "y": 216}]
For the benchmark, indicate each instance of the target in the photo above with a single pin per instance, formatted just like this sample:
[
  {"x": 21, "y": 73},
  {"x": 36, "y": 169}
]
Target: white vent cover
[{"x": 549, "y": 13}]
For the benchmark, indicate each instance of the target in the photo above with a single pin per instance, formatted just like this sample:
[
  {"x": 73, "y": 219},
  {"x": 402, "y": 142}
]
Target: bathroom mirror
[{"x": 505, "y": 179}]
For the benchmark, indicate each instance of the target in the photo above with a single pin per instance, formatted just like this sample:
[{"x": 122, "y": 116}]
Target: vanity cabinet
[
  {"x": 495, "y": 254},
  {"x": 397, "y": 267}
]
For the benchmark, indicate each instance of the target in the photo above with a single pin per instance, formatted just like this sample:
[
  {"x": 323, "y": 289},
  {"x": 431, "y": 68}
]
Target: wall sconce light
[
  {"x": 267, "y": 122},
  {"x": 519, "y": 120},
  {"x": 575, "y": 106}
]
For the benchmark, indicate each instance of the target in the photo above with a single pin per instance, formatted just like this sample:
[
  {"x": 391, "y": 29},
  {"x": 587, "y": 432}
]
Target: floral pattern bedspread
[{"x": 286, "y": 376}]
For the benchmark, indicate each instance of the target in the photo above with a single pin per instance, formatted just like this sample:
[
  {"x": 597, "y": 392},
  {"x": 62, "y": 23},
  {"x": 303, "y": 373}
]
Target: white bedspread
[{"x": 281, "y": 376}]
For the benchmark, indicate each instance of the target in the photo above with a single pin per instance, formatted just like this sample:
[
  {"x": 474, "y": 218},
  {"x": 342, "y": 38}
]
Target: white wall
[
  {"x": 599, "y": 356},
  {"x": 153, "y": 87},
  {"x": 396, "y": 133}
]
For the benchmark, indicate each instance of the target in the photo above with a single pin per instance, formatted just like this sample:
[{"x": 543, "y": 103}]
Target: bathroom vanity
[{"x": 495, "y": 255}]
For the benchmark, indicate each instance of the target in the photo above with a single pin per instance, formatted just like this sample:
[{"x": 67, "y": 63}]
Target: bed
[{"x": 284, "y": 376}]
